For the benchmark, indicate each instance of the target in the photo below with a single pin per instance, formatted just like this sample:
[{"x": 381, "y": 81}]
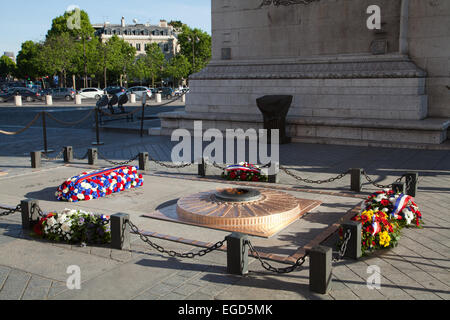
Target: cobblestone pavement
[{"x": 417, "y": 269}]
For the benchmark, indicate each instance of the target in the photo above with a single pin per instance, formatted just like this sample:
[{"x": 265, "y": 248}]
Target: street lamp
[
  {"x": 194, "y": 40},
  {"x": 83, "y": 38}
]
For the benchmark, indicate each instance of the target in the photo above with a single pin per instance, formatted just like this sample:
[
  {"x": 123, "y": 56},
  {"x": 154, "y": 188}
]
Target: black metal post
[
  {"x": 68, "y": 154},
  {"x": 29, "y": 218},
  {"x": 92, "y": 156},
  {"x": 142, "y": 118},
  {"x": 320, "y": 268},
  {"x": 274, "y": 169},
  {"x": 412, "y": 179},
  {"x": 356, "y": 180},
  {"x": 143, "y": 161},
  {"x": 120, "y": 231},
  {"x": 237, "y": 254},
  {"x": 36, "y": 160},
  {"x": 398, "y": 187},
  {"x": 44, "y": 132},
  {"x": 97, "y": 129},
  {"x": 202, "y": 168},
  {"x": 354, "y": 245}
]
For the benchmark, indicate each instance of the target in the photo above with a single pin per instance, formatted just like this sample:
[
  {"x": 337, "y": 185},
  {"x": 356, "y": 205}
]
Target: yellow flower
[{"x": 385, "y": 239}]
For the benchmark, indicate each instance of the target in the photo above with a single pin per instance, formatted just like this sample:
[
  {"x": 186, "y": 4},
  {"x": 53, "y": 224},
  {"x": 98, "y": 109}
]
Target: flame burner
[
  {"x": 238, "y": 195},
  {"x": 259, "y": 212}
]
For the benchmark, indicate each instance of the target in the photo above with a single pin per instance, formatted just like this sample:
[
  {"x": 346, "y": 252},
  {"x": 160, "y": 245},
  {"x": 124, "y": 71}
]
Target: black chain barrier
[
  {"x": 57, "y": 157},
  {"x": 343, "y": 249},
  {"x": 169, "y": 166},
  {"x": 124, "y": 163},
  {"x": 293, "y": 175},
  {"x": 171, "y": 253},
  {"x": 371, "y": 181},
  {"x": 9, "y": 212},
  {"x": 300, "y": 262}
]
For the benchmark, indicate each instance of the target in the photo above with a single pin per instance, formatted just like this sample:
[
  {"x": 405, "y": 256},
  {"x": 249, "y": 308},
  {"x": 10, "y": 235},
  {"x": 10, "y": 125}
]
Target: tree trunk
[{"x": 104, "y": 75}]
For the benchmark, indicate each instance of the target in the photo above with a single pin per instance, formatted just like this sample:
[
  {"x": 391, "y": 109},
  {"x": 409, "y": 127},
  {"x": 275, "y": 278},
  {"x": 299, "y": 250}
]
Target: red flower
[
  {"x": 87, "y": 198},
  {"x": 385, "y": 202},
  {"x": 255, "y": 179},
  {"x": 233, "y": 175},
  {"x": 243, "y": 176},
  {"x": 38, "y": 229}
]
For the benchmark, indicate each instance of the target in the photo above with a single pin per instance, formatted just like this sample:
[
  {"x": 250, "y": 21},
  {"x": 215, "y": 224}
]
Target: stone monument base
[{"x": 350, "y": 99}]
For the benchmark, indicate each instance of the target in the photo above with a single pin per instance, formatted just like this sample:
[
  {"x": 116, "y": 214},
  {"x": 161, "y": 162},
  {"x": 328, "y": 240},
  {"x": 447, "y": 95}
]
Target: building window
[
  {"x": 138, "y": 46},
  {"x": 166, "y": 47}
]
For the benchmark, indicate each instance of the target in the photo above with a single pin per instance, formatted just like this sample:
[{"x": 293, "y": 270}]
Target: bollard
[
  {"x": 158, "y": 98},
  {"x": 68, "y": 154},
  {"x": 356, "y": 180},
  {"x": 143, "y": 161},
  {"x": 412, "y": 179},
  {"x": 237, "y": 254},
  {"x": 202, "y": 168},
  {"x": 398, "y": 187},
  {"x": 354, "y": 245},
  {"x": 36, "y": 161},
  {"x": 29, "y": 218},
  {"x": 320, "y": 259},
  {"x": 18, "y": 101},
  {"x": 92, "y": 156},
  {"x": 132, "y": 98},
  {"x": 274, "y": 169},
  {"x": 48, "y": 100},
  {"x": 97, "y": 129},
  {"x": 183, "y": 98},
  {"x": 120, "y": 231},
  {"x": 77, "y": 99}
]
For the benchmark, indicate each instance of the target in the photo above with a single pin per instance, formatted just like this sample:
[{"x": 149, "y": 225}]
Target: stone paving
[{"x": 32, "y": 269}]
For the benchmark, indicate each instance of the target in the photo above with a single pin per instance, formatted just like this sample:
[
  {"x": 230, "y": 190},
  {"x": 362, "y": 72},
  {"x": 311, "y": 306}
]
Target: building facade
[{"x": 141, "y": 35}]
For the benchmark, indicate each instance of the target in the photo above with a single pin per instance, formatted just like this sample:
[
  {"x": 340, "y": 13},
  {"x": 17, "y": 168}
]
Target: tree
[
  {"x": 196, "y": 46},
  {"x": 178, "y": 68},
  {"x": 58, "y": 56},
  {"x": 7, "y": 67},
  {"x": 61, "y": 26},
  {"x": 155, "y": 61},
  {"x": 29, "y": 63}
]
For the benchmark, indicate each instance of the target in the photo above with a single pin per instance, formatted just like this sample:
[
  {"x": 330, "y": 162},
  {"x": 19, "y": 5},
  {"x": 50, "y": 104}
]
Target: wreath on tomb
[
  {"x": 74, "y": 226},
  {"x": 383, "y": 215},
  {"x": 244, "y": 172}
]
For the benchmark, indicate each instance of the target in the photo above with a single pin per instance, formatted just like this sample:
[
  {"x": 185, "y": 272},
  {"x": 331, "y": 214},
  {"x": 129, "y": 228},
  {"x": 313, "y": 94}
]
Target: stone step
[{"x": 429, "y": 131}]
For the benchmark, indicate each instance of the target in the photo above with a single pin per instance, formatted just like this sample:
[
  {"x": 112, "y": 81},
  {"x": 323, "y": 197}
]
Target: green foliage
[
  {"x": 178, "y": 67},
  {"x": 60, "y": 25},
  {"x": 29, "y": 60},
  {"x": 196, "y": 47},
  {"x": 7, "y": 66},
  {"x": 155, "y": 62}
]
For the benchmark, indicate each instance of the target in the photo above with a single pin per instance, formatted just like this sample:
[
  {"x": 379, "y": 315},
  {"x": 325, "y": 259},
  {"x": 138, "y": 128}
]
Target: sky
[{"x": 30, "y": 20}]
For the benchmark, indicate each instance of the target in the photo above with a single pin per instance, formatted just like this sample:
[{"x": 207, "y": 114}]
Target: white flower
[
  {"x": 51, "y": 222},
  {"x": 409, "y": 216},
  {"x": 380, "y": 197},
  {"x": 65, "y": 227},
  {"x": 80, "y": 196},
  {"x": 62, "y": 218}
]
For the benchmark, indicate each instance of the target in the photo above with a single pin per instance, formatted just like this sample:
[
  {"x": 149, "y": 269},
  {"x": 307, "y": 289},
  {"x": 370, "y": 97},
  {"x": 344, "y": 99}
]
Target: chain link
[
  {"x": 84, "y": 157},
  {"x": 344, "y": 245},
  {"x": 371, "y": 181},
  {"x": 9, "y": 212},
  {"x": 35, "y": 207},
  {"x": 171, "y": 253},
  {"x": 118, "y": 163},
  {"x": 342, "y": 175},
  {"x": 170, "y": 166},
  {"x": 270, "y": 268},
  {"x": 58, "y": 157}
]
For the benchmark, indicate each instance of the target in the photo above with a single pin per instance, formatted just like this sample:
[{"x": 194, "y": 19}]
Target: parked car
[
  {"x": 63, "y": 93},
  {"x": 26, "y": 94},
  {"x": 114, "y": 90},
  {"x": 139, "y": 92},
  {"x": 166, "y": 92},
  {"x": 91, "y": 93}
]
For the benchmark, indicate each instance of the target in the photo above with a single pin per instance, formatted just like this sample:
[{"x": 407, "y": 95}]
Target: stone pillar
[
  {"x": 356, "y": 180},
  {"x": 158, "y": 98},
  {"x": 29, "y": 218},
  {"x": 120, "y": 231},
  {"x": 143, "y": 161},
  {"x": 18, "y": 101},
  {"x": 48, "y": 100},
  {"x": 77, "y": 99},
  {"x": 68, "y": 154},
  {"x": 36, "y": 161},
  {"x": 132, "y": 98},
  {"x": 92, "y": 156}
]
